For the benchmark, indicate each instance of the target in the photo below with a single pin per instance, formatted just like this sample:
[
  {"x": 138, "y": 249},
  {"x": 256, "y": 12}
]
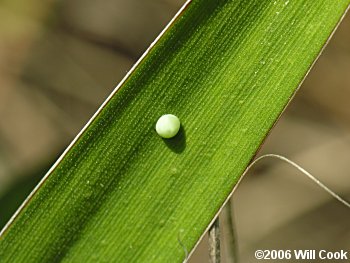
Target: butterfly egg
[{"x": 168, "y": 126}]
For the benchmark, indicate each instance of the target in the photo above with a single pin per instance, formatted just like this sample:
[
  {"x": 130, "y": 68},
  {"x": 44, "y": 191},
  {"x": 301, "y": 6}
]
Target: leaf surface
[{"x": 120, "y": 193}]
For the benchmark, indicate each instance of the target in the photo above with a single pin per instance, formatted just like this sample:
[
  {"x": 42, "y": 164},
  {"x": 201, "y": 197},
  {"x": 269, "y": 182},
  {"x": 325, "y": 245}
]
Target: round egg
[{"x": 168, "y": 126}]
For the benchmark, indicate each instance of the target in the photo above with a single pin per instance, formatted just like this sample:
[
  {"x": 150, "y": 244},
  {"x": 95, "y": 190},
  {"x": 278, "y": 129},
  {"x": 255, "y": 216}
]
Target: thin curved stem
[{"x": 303, "y": 171}]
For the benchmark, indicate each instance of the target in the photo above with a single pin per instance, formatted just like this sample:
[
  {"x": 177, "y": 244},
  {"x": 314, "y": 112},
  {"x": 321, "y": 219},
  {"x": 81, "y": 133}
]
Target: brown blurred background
[{"x": 60, "y": 59}]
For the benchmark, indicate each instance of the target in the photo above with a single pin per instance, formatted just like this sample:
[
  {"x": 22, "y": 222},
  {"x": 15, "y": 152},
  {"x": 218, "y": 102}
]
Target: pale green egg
[{"x": 168, "y": 126}]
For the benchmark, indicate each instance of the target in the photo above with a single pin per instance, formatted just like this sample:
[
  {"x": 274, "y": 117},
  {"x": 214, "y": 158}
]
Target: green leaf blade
[{"x": 227, "y": 69}]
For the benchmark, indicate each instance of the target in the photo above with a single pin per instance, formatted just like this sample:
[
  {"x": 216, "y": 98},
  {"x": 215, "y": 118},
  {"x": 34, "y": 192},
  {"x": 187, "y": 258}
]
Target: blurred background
[{"x": 60, "y": 59}]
